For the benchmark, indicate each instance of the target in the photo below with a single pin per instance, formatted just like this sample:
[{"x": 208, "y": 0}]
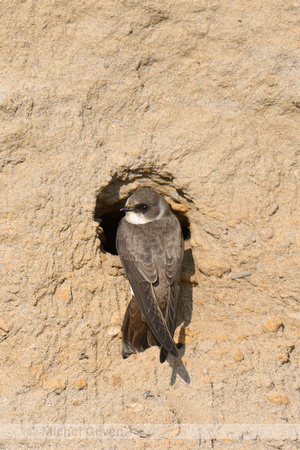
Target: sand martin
[{"x": 150, "y": 245}]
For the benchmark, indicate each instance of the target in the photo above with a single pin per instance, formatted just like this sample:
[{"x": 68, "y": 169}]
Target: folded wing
[{"x": 142, "y": 274}]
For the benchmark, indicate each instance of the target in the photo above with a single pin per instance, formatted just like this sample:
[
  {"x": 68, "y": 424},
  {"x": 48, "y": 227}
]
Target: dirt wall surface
[{"x": 200, "y": 100}]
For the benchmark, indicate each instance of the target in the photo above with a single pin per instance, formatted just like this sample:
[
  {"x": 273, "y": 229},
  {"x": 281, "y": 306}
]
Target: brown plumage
[{"x": 150, "y": 246}]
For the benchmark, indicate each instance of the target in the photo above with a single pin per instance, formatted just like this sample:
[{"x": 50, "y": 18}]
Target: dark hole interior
[
  {"x": 185, "y": 225},
  {"x": 109, "y": 223}
]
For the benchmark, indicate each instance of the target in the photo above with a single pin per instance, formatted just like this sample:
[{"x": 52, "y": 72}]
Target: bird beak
[{"x": 126, "y": 209}]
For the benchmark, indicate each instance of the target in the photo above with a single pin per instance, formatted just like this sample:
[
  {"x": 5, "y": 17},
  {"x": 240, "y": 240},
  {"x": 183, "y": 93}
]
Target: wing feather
[
  {"x": 145, "y": 296},
  {"x": 137, "y": 259},
  {"x": 174, "y": 259}
]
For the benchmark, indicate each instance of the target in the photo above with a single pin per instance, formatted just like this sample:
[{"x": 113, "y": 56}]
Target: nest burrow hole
[{"x": 113, "y": 197}]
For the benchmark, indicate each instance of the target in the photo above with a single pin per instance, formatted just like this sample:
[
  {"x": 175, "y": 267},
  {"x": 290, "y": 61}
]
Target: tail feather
[
  {"x": 136, "y": 334},
  {"x": 163, "y": 355}
]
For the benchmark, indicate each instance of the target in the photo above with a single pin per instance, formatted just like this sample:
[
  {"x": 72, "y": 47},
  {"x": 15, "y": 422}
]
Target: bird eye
[{"x": 142, "y": 207}]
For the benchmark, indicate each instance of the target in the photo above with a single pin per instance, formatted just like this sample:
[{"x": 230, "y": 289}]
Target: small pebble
[
  {"x": 175, "y": 196},
  {"x": 81, "y": 384},
  {"x": 278, "y": 399},
  {"x": 272, "y": 326},
  {"x": 56, "y": 385},
  {"x": 273, "y": 209},
  {"x": 236, "y": 276},
  {"x": 149, "y": 394},
  {"x": 100, "y": 230},
  {"x": 238, "y": 357},
  {"x": 113, "y": 331}
]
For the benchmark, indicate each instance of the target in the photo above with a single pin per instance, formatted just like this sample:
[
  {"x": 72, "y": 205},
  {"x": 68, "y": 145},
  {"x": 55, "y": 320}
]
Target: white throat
[{"x": 136, "y": 219}]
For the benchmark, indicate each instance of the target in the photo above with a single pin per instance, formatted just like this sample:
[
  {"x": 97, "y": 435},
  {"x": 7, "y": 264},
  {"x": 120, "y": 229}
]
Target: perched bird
[{"x": 150, "y": 245}]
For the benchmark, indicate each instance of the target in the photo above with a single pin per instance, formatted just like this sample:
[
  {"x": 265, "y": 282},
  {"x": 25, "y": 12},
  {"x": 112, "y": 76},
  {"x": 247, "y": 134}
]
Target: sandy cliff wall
[{"x": 200, "y": 100}]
